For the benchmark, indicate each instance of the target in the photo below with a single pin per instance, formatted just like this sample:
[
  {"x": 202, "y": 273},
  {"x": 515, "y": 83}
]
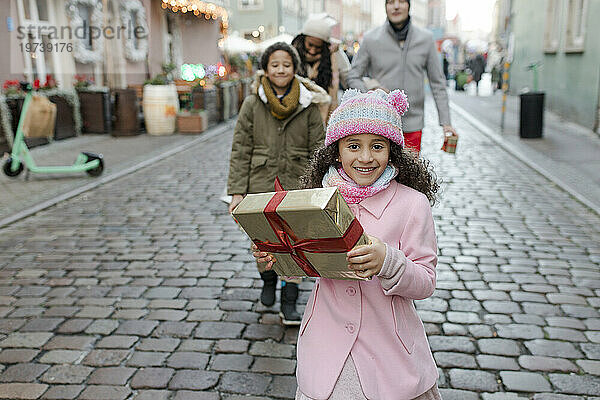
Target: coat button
[
  {"x": 350, "y": 291},
  {"x": 350, "y": 327}
]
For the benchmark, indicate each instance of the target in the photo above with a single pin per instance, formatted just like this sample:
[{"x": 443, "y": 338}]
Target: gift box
[
  {"x": 308, "y": 231},
  {"x": 449, "y": 145}
]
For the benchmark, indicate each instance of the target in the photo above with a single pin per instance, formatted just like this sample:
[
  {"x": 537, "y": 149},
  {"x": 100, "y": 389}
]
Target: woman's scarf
[
  {"x": 350, "y": 190},
  {"x": 284, "y": 107},
  {"x": 401, "y": 33}
]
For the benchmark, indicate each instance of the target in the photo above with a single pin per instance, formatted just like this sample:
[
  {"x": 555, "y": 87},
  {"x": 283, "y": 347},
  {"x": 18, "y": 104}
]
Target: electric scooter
[{"x": 21, "y": 158}]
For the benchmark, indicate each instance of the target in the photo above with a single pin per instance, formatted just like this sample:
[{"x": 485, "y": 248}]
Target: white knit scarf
[{"x": 350, "y": 190}]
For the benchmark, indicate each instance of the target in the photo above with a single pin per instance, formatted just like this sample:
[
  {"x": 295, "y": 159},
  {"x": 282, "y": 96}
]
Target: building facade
[
  {"x": 357, "y": 18},
  {"x": 117, "y": 42},
  {"x": 567, "y": 50},
  {"x": 264, "y": 19}
]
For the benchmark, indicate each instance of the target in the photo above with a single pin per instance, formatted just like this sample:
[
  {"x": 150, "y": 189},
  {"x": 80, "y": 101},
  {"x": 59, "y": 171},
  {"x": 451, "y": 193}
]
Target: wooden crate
[{"x": 192, "y": 122}]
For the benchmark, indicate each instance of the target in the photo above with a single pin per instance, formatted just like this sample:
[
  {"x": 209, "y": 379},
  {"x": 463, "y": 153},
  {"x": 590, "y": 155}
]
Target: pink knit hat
[{"x": 375, "y": 112}]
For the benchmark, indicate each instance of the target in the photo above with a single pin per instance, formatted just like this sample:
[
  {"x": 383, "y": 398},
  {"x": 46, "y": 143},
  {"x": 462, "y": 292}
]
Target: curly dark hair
[
  {"x": 414, "y": 172},
  {"x": 324, "y": 73},
  {"x": 264, "y": 60}
]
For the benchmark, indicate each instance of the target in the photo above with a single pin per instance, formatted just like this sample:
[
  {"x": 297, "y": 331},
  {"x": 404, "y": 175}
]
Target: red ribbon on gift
[{"x": 289, "y": 243}]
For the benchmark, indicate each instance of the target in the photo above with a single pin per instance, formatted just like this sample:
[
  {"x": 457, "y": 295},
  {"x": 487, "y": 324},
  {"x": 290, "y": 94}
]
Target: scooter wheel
[
  {"x": 8, "y": 171},
  {"x": 98, "y": 170}
]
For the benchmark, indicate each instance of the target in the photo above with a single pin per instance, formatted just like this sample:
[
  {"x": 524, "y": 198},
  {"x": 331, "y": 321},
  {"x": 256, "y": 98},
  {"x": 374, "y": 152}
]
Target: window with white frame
[
  {"x": 250, "y": 4},
  {"x": 552, "y": 31},
  {"x": 576, "y": 24},
  {"x": 85, "y": 15},
  {"x": 37, "y": 16},
  {"x": 85, "y": 12}
]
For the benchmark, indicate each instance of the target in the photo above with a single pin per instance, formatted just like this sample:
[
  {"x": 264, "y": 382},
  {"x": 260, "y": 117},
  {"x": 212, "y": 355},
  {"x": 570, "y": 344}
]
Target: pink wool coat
[{"x": 376, "y": 320}]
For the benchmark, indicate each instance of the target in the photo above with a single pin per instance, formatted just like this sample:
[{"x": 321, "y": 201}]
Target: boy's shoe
[
  {"x": 267, "y": 295},
  {"x": 289, "y": 295}
]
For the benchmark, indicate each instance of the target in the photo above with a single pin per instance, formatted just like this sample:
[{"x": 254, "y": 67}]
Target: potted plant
[
  {"x": 95, "y": 105},
  {"x": 192, "y": 121},
  {"x": 68, "y": 113},
  {"x": 160, "y": 103},
  {"x": 10, "y": 89},
  {"x": 204, "y": 96},
  {"x": 68, "y": 119}
]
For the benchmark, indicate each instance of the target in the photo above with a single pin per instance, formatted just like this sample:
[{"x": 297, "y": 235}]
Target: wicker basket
[{"x": 192, "y": 123}]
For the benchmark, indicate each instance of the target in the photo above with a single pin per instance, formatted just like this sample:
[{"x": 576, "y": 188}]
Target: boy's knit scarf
[
  {"x": 281, "y": 109},
  {"x": 350, "y": 190}
]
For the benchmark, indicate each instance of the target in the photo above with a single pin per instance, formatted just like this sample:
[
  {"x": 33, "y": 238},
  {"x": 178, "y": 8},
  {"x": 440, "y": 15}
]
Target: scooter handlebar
[{"x": 25, "y": 86}]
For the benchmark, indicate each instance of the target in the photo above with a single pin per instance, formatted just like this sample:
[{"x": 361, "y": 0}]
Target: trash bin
[{"x": 532, "y": 115}]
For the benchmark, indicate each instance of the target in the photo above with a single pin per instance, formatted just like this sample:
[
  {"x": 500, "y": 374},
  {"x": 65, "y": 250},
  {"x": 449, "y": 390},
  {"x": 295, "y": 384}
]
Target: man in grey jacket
[{"x": 397, "y": 55}]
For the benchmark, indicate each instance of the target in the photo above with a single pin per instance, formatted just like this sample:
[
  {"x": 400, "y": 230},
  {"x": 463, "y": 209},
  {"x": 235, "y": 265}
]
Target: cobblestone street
[{"x": 144, "y": 288}]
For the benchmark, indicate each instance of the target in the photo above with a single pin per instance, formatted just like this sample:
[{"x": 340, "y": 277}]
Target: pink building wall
[
  {"x": 200, "y": 40},
  {"x": 14, "y": 62},
  {"x": 198, "y": 44}
]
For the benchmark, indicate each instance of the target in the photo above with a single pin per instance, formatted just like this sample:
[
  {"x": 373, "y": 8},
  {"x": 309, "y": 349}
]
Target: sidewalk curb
[
  {"x": 108, "y": 178},
  {"x": 518, "y": 154}
]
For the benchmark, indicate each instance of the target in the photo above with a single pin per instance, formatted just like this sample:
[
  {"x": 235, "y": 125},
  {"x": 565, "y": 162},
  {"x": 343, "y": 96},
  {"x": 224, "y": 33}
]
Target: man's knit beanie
[{"x": 375, "y": 112}]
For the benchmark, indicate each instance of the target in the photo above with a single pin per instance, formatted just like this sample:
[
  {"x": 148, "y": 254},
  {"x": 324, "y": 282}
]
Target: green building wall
[{"x": 571, "y": 80}]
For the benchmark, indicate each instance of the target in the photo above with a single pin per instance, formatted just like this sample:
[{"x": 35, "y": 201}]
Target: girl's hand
[
  {"x": 263, "y": 257},
  {"x": 367, "y": 260},
  {"x": 235, "y": 200}
]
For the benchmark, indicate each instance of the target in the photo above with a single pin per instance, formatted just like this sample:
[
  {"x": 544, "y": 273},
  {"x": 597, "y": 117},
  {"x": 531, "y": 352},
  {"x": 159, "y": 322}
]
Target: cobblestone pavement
[
  {"x": 17, "y": 194},
  {"x": 144, "y": 288},
  {"x": 567, "y": 152}
]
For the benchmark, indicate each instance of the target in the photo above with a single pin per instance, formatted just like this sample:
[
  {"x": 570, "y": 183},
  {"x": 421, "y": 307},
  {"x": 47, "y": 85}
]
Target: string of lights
[{"x": 198, "y": 8}]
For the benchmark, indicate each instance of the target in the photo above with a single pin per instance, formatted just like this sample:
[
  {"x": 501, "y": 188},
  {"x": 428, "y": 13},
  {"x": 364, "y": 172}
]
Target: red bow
[{"x": 289, "y": 243}]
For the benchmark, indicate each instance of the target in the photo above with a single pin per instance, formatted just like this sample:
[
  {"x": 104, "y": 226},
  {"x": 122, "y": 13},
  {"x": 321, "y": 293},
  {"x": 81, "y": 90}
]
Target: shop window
[
  {"x": 576, "y": 24},
  {"x": 85, "y": 13},
  {"x": 39, "y": 60},
  {"x": 133, "y": 14}
]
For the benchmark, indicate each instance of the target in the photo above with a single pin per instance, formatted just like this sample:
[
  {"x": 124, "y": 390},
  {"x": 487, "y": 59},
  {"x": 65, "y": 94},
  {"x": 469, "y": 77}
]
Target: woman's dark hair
[
  {"x": 413, "y": 171},
  {"x": 324, "y": 74},
  {"x": 264, "y": 60}
]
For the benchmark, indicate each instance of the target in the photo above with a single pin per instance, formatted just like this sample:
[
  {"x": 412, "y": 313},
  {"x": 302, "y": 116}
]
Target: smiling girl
[{"x": 363, "y": 339}]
